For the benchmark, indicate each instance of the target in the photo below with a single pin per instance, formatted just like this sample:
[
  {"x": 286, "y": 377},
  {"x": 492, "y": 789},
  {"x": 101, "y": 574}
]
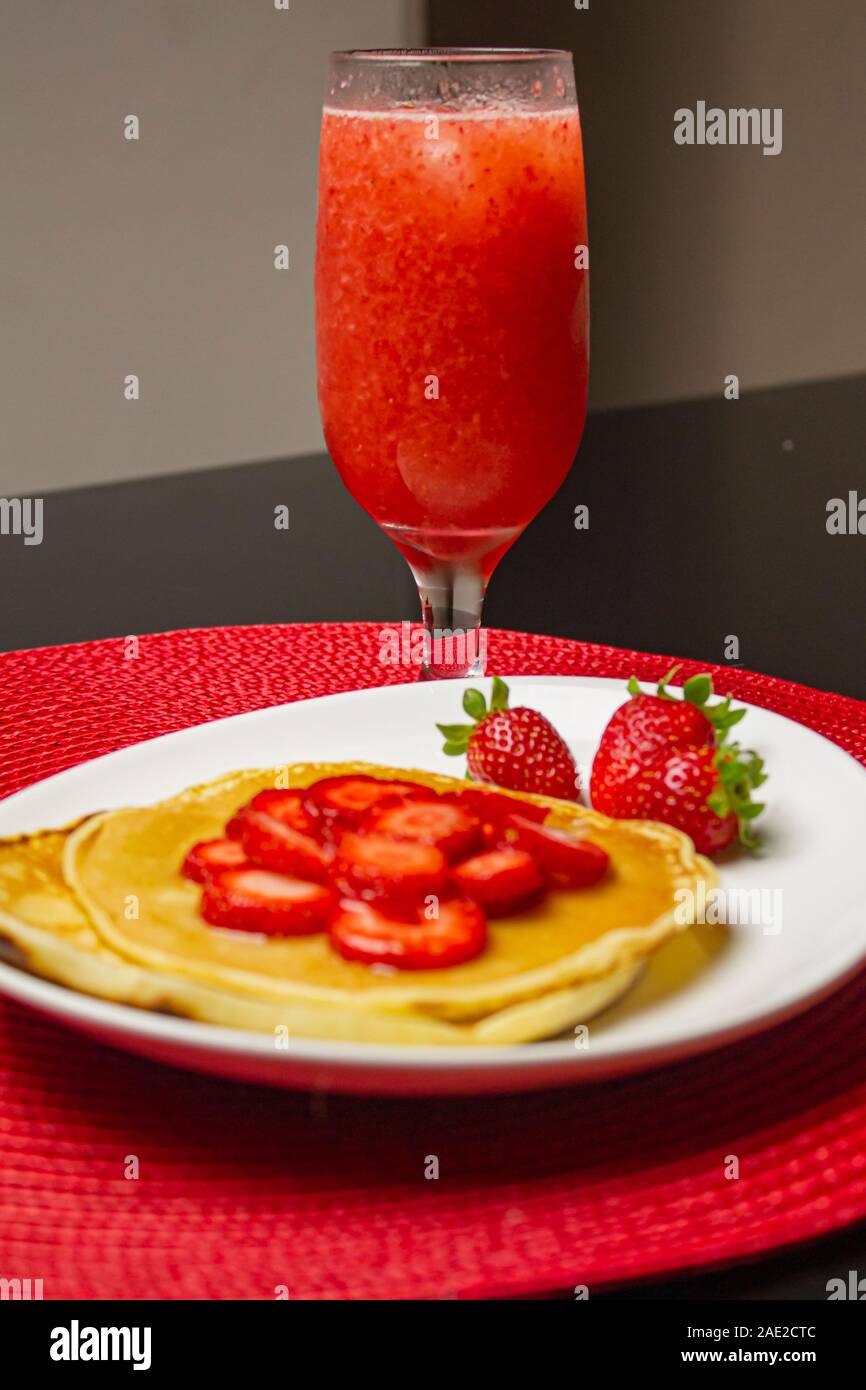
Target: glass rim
[{"x": 447, "y": 55}]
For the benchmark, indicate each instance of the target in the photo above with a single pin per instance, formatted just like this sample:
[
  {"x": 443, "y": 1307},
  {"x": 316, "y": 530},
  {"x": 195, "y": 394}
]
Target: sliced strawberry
[
  {"x": 273, "y": 845},
  {"x": 285, "y": 806},
  {"x": 502, "y": 880},
  {"x": 256, "y": 900},
  {"x": 490, "y": 806},
  {"x": 210, "y": 857},
  {"x": 360, "y": 932},
  {"x": 339, "y": 803},
  {"x": 379, "y": 869},
  {"x": 565, "y": 860},
  {"x": 449, "y": 827}
]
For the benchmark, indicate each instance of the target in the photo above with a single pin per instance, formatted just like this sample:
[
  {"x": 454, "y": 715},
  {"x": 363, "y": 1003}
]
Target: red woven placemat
[{"x": 242, "y": 1190}]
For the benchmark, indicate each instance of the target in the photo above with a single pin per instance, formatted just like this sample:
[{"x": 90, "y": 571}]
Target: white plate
[{"x": 713, "y": 985}]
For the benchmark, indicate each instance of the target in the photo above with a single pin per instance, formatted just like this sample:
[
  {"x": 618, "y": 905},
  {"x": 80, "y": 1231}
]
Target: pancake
[
  {"x": 123, "y": 869},
  {"x": 44, "y": 930}
]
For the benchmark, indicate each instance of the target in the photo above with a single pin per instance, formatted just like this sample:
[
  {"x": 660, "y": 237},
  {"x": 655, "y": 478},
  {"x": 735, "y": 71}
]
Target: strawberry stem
[{"x": 662, "y": 688}]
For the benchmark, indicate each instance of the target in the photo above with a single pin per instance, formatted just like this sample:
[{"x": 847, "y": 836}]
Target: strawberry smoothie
[{"x": 452, "y": 319}]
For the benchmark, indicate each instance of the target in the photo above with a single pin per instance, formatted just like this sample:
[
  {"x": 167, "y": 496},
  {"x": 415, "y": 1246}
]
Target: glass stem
[{"x": 455, "y": 643}]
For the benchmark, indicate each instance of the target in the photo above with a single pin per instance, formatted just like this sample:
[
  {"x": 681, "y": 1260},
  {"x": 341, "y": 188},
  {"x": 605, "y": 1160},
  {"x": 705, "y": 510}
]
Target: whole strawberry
[
  {"x": 666, "y": 759},
  {"x": 650, "y": 724},
  {"x": 646, "y": 724},
  {"x": 514, "y": 748}
]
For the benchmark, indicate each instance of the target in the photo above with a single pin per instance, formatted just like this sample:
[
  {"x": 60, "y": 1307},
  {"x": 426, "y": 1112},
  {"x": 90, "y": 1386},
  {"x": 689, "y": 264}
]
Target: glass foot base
[{"x": 451, "y": 656}]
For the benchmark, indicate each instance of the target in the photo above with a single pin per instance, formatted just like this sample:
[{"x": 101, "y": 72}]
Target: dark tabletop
[{"x": 708, "y": 519}]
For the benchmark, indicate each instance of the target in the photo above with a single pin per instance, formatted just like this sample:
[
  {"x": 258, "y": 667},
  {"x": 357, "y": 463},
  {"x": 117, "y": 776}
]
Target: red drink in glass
[{"x": 452, "y": 309}]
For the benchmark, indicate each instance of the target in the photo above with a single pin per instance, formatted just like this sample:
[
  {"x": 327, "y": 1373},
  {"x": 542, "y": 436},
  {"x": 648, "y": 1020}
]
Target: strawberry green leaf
[
  {"x": 456, "y": 738},
  {"x": 722, "y": 717},
  {"x": 498, "y": 695},
  {"x": 726, "y": 720},
  {"x": 698, "y": 690},
  {"x": 633, "y": 687},
  {"x": 740, "y": 772},
  {"x": 474, "y": 704},
  {"x": 455, "y": 733}
]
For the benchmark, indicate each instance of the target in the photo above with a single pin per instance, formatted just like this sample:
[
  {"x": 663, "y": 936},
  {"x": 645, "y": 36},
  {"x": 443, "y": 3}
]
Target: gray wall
[
  {"x": 706, "y": 261},
  {"x": 156, "y": 257}
]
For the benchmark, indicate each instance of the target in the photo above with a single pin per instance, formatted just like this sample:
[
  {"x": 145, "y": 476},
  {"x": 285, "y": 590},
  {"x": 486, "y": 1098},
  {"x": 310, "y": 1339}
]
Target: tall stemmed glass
[{"x": 452, "y": 308}]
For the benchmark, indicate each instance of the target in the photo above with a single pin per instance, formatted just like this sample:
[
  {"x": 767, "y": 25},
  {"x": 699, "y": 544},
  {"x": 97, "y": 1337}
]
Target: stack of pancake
[{"x": 102, "y": 908}]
